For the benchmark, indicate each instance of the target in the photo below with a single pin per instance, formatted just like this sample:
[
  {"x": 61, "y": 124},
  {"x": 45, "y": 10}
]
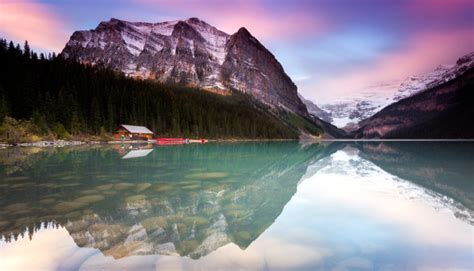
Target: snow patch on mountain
[
  {"x": 215, "y": 39},
  {"x": 135, "y": 44}
]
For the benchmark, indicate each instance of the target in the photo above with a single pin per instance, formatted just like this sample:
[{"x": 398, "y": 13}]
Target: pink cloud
[
  {"x": 423, "y": 53},
  {"x": 438, "y": 7},
  {"x": 27, "y": 20},
  {"x": 229, "y": 16}
]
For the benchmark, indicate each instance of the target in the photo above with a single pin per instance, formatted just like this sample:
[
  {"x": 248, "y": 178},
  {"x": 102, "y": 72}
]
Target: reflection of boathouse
[
  {"x": 132, "y": 132},
  {"x": 137, "y": 153},
  {"x": 133, "y": 150}
]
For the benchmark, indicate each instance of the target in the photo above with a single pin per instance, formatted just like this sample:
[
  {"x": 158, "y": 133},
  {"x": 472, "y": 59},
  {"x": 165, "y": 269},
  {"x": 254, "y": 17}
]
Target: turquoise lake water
[{"x": 239, "y": 206}]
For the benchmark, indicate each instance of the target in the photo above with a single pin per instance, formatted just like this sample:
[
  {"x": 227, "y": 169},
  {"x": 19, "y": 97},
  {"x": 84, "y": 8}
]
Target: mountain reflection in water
[
  {"x": 243, "y": 205},
  {"x": 188, "y": 200}
]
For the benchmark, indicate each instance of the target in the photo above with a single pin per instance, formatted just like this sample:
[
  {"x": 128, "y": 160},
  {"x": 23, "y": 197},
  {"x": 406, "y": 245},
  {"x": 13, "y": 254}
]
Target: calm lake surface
[{"x": 239, "y": 206}]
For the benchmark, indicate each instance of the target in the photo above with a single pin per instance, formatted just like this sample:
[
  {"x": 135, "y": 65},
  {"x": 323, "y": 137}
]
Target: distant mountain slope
[
  {"x": 323, "y": 119},
  {"x": 440, "y": 75},
  {"x": 442, "y": 111},
  {"x": 348, "y": 113},
  {"x": 189, "y": 52},
  {"x": 315, "y": 110}
]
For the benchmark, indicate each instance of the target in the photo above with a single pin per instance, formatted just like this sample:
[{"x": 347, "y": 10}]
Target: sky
[{"x": 332, "y": 49}]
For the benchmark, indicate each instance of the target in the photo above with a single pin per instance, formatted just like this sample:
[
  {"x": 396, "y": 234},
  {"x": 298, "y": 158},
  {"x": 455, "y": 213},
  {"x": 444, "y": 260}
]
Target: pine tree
[
  {"x": 39, "y": 121},
  {"x": 3, "y": 105},
  {"x": 75, "y": 124},
  {"x": 3, "y": 44},
  {"x": 26, "y": 50},
  {"x": 11, "y": 47},
  {"x": 110, "y": 115},
  {"x": 95, "y": 116}
]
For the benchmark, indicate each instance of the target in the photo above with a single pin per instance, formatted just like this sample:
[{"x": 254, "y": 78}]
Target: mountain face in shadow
[
  {"x": 443, "y": 167},
  {"x": 177, "y": 200}
]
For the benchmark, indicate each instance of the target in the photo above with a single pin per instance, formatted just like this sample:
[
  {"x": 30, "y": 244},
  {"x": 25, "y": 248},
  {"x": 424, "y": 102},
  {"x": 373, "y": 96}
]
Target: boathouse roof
[{"x": 136, "y": 129}]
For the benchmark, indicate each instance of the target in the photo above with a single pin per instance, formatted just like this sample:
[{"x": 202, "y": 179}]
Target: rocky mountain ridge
[{"x": 189, "y": 52}]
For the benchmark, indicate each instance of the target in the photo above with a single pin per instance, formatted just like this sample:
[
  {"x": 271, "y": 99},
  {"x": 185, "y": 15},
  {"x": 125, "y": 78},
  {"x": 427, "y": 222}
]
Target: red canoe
[{"x": 171, "y": 141}]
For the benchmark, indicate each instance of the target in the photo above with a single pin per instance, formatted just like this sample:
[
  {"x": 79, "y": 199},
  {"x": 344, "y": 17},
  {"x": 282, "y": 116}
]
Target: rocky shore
[
  {"x": 55, "y": 143},
  {"x": 64, "y": 143}
]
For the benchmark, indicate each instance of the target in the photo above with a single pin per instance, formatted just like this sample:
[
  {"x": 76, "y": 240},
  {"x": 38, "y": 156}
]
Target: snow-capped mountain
[
  {"x": 443, "y": 110},
  {"x": 189, "y": 52},
  {"x": 442, "y": 74},
  {"x": 348, "y": 113}
]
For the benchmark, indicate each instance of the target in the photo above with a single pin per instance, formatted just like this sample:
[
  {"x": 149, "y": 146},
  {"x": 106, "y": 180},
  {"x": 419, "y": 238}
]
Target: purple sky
[{"x": 330, "y": 48}]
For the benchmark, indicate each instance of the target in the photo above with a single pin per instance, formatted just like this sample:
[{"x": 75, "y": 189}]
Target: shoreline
[{"x": 65, "y": 143}]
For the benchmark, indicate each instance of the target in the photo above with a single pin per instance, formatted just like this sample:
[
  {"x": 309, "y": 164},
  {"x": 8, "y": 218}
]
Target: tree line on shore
[{"x": 46, "y": 96}]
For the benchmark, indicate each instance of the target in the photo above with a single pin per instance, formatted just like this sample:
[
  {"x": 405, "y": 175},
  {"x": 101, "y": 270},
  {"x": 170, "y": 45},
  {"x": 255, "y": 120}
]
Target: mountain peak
[
  {"x": 183, "y": 29},
  {"x": 195, "y": 20},
  {"x": 181, "y": 24},
  {"x": 244, "y": 35},
  {"x": 243, "y": 31}
]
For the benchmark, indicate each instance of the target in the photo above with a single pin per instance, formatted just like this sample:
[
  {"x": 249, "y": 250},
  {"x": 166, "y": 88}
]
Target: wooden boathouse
[{"x": 132, "y": 132}]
